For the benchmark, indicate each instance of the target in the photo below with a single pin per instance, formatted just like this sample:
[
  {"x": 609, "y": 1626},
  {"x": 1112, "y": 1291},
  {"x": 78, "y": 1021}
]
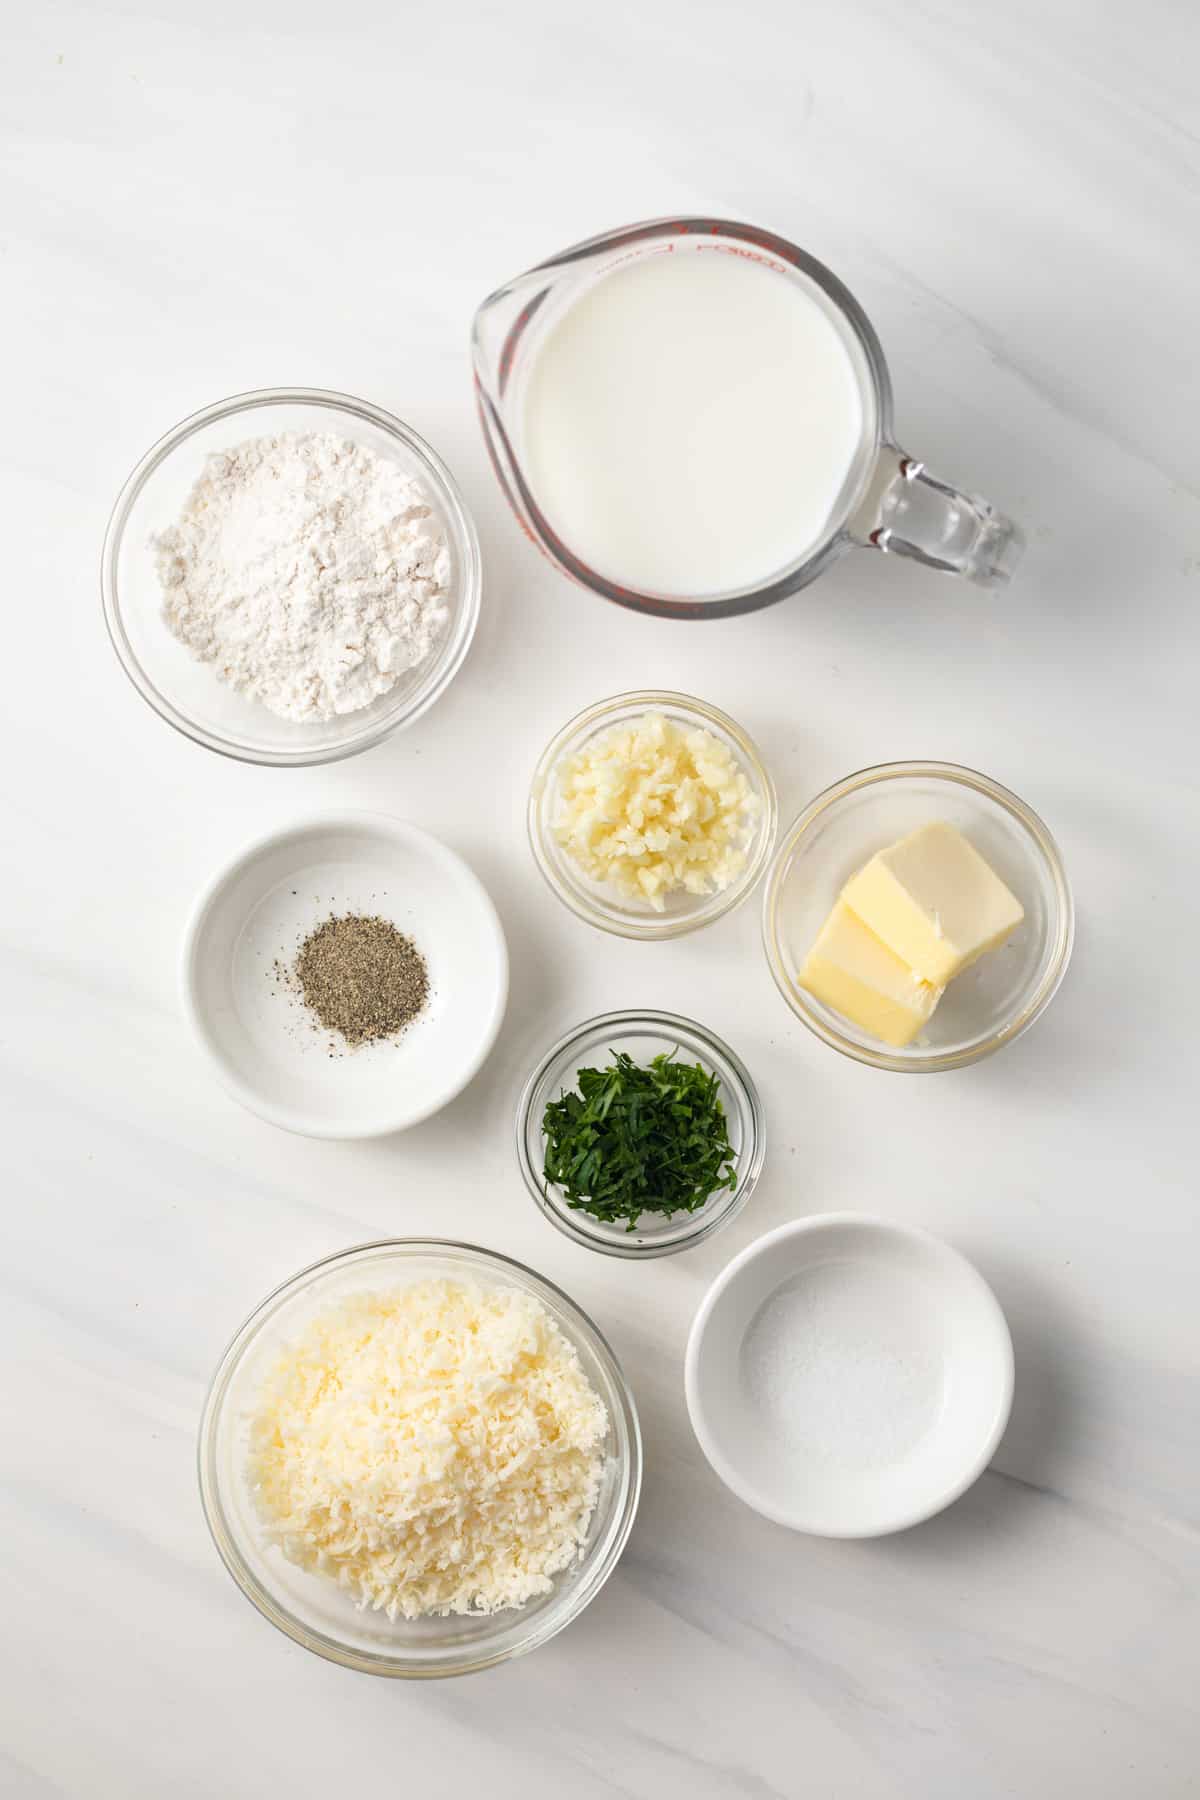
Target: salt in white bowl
[{"x": 848, "y": 1376}]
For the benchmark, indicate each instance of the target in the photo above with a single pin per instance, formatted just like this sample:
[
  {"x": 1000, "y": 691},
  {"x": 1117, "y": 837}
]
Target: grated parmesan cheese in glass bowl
[
  {"x": 651, "y": 814},
  {"x": 419, "y": 1459}
]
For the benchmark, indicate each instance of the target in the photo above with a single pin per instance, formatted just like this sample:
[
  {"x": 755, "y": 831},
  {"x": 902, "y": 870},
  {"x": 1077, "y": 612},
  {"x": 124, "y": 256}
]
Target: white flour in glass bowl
[{"x": 310, "y": 572}]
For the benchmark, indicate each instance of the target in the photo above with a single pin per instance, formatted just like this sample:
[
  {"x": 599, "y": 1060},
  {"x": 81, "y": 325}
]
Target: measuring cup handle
[{"x": 908, "y": 512}]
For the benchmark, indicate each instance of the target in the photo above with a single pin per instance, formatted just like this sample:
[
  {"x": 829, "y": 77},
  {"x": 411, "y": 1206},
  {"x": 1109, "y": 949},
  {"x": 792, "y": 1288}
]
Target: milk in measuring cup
[{"x": 689, "y": 423}]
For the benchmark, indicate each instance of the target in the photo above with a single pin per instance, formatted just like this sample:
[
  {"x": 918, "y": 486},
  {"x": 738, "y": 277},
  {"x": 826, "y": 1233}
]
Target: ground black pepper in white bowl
[
  {"x": 346, "y": 977},
  {"x": 360, "y": 976}
]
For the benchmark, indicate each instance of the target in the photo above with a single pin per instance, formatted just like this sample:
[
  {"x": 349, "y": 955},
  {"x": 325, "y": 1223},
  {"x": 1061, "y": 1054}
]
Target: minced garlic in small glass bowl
[{"x": 626, "y": 884}]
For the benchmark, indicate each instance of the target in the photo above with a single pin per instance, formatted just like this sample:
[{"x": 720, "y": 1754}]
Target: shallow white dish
[
  {"x": 264, "y": 1045},
  {"x": 848, "y": 1376}
]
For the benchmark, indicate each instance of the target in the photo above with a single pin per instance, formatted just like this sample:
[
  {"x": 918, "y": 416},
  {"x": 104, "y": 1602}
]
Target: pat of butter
[
  {"x": 935, "y": 902},
  {"x": 850, "y": 969}
]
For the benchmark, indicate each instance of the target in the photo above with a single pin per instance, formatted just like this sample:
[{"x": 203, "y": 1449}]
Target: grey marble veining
[{"x": 200, "y": 201}]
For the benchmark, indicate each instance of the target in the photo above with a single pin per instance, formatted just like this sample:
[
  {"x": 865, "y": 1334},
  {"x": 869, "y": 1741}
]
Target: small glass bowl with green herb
[{"x": 640, "y": 1133}]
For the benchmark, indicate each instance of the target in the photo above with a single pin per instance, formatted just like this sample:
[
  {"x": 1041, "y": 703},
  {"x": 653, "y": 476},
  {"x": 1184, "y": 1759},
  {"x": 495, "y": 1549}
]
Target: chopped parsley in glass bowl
[{"x": 643, "y": 1100}]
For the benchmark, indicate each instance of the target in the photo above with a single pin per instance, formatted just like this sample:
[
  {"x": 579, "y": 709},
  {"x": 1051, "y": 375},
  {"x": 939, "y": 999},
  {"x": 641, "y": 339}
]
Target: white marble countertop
[{"x": 198, "y": 200}]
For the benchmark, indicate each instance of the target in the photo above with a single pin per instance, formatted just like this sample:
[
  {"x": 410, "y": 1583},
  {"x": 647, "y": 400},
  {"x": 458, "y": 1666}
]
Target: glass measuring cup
[{"x": 888, "y": 500}]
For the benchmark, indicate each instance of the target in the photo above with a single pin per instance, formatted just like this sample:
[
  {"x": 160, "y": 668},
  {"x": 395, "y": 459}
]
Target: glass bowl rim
[
  {"x": 548, "y": 1623},
  {"x": 448, "y": 493},
  {"x": 585, "y": 724},
  {"x": 706, "y": 1222},
  {"x": 960, "y": 775}
]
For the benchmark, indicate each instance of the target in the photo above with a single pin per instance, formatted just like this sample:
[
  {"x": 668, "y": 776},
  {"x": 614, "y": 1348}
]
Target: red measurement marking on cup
[
  {"x": 513, "y": 340},
  {"x": 754, "y": 256},
  {"x": 634, "y": 255}
]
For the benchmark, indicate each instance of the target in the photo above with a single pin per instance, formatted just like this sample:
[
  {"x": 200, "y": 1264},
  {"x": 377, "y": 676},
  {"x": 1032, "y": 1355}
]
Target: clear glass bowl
[
  {"x": 185, "y": 691},
  {"x": 642, "y": 1035},
  {"x": 989, "y": 1004},
  {"x": 596, "y": 902},
  {"x": 315, "y": 1611}
]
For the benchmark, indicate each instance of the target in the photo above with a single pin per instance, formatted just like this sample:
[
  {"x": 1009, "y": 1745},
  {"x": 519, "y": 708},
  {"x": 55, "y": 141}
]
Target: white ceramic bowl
[
  {"x": 848, "y": 1376},
  {"x": 263, "y": 1044}
]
